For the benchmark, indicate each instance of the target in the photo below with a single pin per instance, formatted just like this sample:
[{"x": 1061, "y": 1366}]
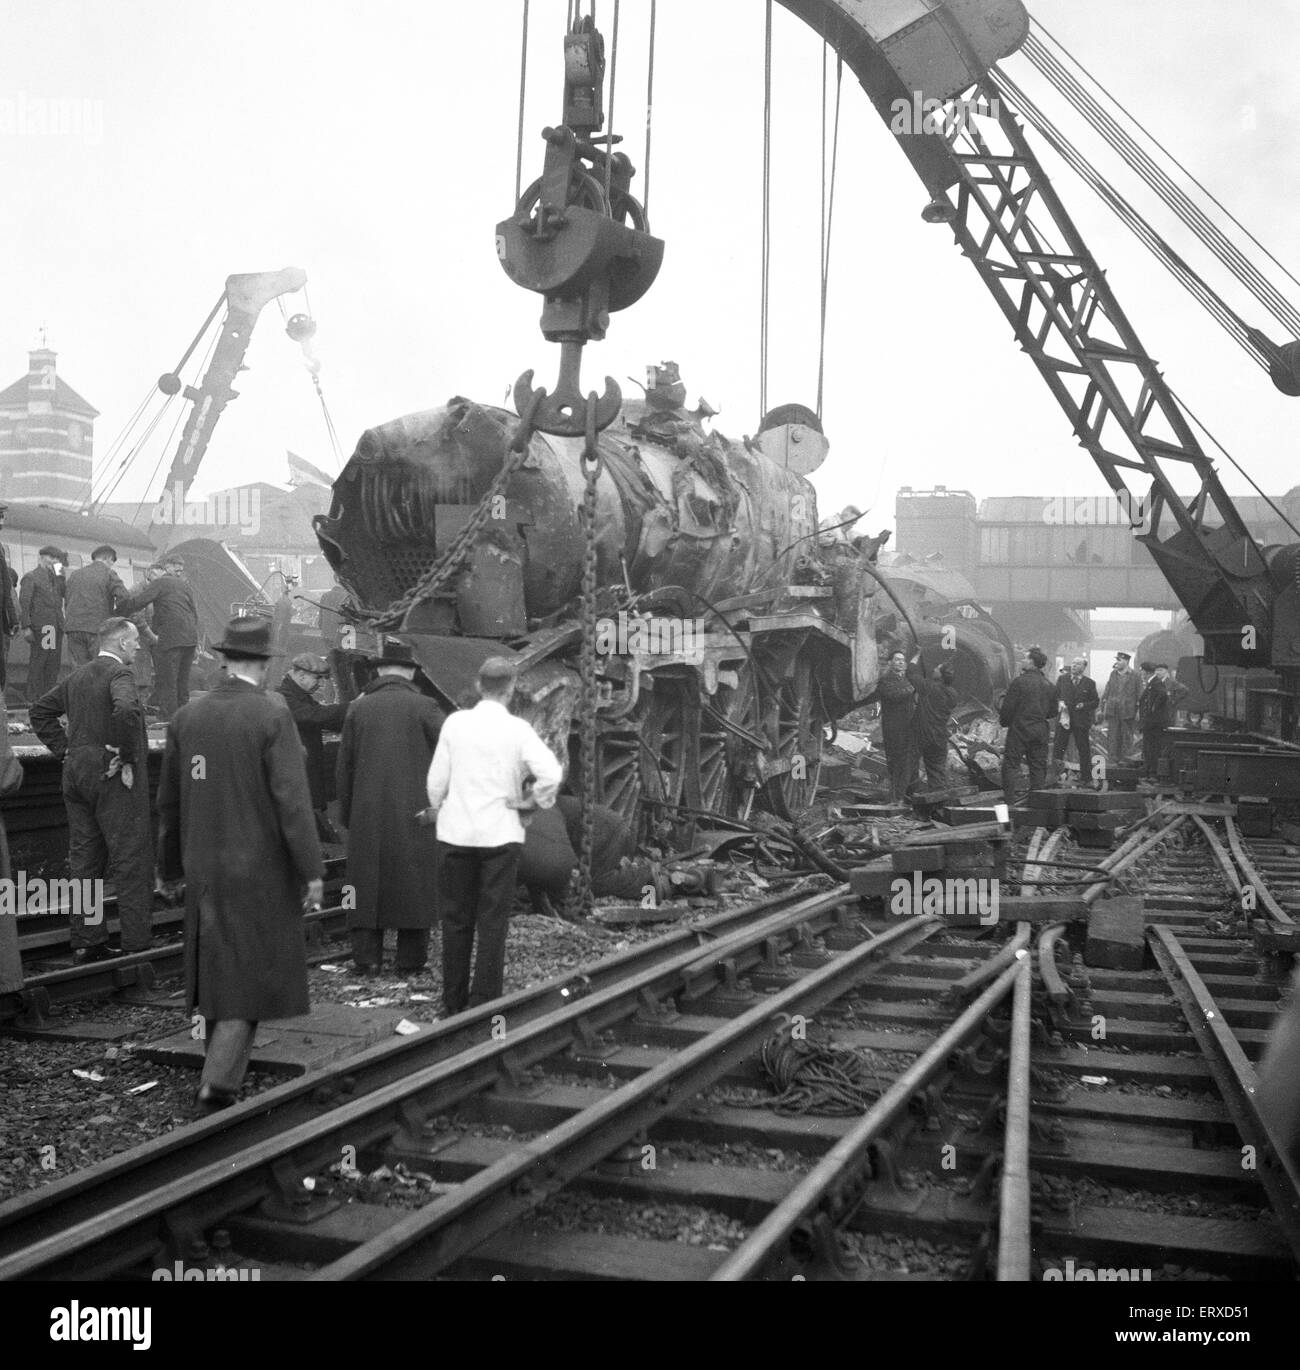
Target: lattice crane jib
[{"x": 984, "y": 179}]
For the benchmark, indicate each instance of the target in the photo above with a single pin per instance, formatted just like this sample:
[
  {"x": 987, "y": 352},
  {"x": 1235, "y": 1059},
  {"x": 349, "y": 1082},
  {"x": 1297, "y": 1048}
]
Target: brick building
[{"x": 46, "y": 437}]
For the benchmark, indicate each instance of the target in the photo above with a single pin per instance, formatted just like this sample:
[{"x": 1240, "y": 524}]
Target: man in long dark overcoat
[
  {"x": 236, "y": 824},
  {"x": 388, "y": 741}
]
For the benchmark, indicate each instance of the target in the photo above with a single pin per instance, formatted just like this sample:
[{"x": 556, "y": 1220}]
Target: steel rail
[
  {"x": 135, "y": 970},
  {"x": 1134, "y": 846},
  {"x": 1058, "y": 992},
  {"x": 816, "y": 1195},
  {"x": 117, "y": 1208},
  {"x": 1235, "y": 1077},
  {"x": 1226, "y": 864},
  {"x": 1253, "y": 878},
  {"x": 434, "y": 1236},
  {"x": 1014, "y": 1198}
]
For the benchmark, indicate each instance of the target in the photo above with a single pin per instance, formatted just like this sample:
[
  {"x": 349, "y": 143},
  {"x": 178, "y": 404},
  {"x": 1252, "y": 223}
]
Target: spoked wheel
[
  {"x": 618, "y": 767},
  {"x": 729, "y": 771},
  {"x": 793, "y": 725},
  {"x": 670, "y": 755}
]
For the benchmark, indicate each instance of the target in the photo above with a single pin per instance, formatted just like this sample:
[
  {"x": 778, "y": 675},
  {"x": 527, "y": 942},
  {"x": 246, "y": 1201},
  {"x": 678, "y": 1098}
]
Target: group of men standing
[
  {"x": 238, "y": 811},
  {"x": 1032, "y": 701},
  {"x": 52, "y": 607}
]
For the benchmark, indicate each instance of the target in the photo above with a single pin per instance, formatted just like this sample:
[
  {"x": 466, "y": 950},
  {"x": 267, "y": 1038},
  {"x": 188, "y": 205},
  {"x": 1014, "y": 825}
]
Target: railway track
[
  {"x": 1003, "y": 1110},
  {"x": 51, "y": 977}
]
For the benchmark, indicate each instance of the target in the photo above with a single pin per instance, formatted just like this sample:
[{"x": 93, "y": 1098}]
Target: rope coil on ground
[{"x": 816, "y": 1076}]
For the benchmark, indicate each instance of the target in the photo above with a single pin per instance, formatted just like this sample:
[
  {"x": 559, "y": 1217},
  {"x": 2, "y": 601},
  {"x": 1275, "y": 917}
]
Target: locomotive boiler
[{"x": 730, "y": 634}]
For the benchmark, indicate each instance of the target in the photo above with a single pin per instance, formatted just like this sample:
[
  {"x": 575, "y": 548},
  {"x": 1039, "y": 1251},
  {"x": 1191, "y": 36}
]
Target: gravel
[
  {"x": 890, "y": 1254},
  {"x": 742, "y": 1154},
  {"x": 686, "y": 1223},
  {"x": 55, "y": 1122},
  {"x": 1059, "y": 1190}
]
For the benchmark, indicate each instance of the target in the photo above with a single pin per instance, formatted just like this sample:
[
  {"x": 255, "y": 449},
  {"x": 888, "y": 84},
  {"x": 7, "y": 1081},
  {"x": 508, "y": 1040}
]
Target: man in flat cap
[
  {"x": 9, "y": 619},
  {"x": 301, "y": 687},
  {"x": 388, "y": 742},
  {"x": 1119, "y": 706},
  {"x": 176, "y": 625},
  {"x": 486, "y": 759},
  {"x": 105, "y": 754},
  {"x": 93, "y": 594},
  {"x": 1076, "y": 702},
  {"x": 1153, "y": 718},
  {"x": 40, "y": 611},
  {"x": 236, "y": 825}
]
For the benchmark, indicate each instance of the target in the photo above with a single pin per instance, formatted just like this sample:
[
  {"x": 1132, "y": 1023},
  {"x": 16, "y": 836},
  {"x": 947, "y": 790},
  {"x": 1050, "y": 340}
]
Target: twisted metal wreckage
[{"x": 664, "y": 591}]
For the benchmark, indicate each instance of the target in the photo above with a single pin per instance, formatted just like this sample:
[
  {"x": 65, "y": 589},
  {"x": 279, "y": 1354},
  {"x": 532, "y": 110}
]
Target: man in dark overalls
[
  {"x": 105, "y": 786},
  {"x": 1028, "y": 704}
]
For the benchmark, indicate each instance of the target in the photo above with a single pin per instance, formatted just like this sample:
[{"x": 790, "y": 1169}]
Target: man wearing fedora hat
[
  {"x": 477, "y": 785},
  {"x": 236, "y": 825},
  {"x": 388, "y": 742},
  {"x": 40, "y": 611}
]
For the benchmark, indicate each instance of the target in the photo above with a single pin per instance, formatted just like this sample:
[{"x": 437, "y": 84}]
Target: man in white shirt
[{"x": 484, "y": 758}]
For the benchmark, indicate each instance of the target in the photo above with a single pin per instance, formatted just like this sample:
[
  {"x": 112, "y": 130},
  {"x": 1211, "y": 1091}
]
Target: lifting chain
[
  {"x": 447, "y": 566},
  {"x": 589, "y": 698}
]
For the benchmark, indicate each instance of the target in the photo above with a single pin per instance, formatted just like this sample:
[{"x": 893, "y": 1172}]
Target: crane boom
[
  {"x": 245, "y": 297},
  {"x": 984, "y": 180}
]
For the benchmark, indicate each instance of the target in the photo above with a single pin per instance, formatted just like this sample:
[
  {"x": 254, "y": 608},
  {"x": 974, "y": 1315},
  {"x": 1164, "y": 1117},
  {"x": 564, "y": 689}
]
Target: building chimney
[{"x": 41, "y": 373}]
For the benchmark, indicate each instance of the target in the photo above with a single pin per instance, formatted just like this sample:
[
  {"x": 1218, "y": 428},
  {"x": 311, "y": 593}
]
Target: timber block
[
  {"x": 1255, "y": 814},
  {"x": 1105, "y": 801},
  {"x": 1095, "y": 839},
  {"x": 1052, "y": 801},
  {"x": 1117, "y": 934},
  {"x": 979, "y": 856},
  {"x": 1123, "y": 778},
  {"x": 874, "y": 880},
  {"x": 928, "y": 858},
  {"x": 967, "y": 815},
  {"x": 1023, "y": 816},
  {"x": 1041, "y": 908},
  {"x": 1095, "y": 822}
]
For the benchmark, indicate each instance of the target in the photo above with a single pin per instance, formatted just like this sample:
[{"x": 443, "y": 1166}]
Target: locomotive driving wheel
[
  {"x": 730, "y": 747},
  {"x": 618, "y": 766},
  {"x": 670, "y": 756},
  {"x": 792, "y": 723}
]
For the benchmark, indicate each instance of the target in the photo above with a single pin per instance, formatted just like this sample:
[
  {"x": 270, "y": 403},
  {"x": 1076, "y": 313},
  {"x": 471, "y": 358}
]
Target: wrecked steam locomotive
[{"x": 730, "y": 633}]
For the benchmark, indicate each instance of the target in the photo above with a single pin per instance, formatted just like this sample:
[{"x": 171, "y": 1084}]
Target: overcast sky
[{"x": 374, "y": 145}]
